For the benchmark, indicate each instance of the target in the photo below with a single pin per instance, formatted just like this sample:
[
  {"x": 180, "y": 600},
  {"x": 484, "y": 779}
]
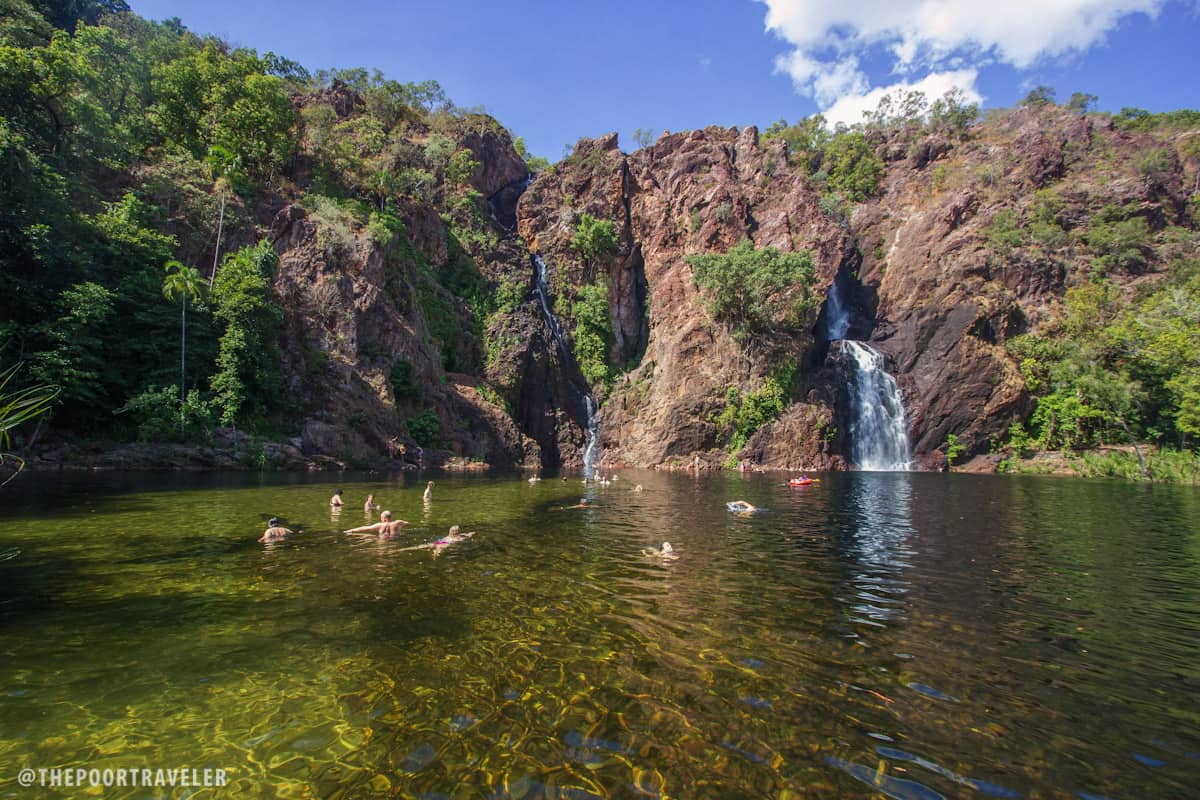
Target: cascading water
[
  {"x": 878, "y": 434},
  {"x": 837, "y": 318},
  {"x": 591, "y": 453}
]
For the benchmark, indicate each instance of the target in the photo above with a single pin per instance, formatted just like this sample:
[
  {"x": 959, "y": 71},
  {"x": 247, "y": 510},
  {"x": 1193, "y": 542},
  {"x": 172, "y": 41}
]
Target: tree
[
  {"x": 854, "y": 169},
  {"x": 643, "y": 137},
  {"x": 755, "y": 289},
  {"x": 1039, "y": 96},
  {"x": 1082, "y": 102},
  {"x": 594, "y": 239},
  {"x": 248, "y": 354},
  {"x": 182, "y": 283},
  {"x": 224, "y": 167},
  {"x": 593, "y": 336}
]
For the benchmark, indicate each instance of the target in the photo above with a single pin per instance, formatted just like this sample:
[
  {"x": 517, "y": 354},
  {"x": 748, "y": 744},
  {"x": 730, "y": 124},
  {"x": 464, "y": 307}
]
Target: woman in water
[
  {"x": 370, "y": 506},
  {"x": 387, "y": 528},
  {"x": 453, "y": 537}
]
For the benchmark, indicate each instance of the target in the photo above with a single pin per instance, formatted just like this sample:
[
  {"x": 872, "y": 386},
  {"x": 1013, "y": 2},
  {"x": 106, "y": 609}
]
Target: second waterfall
[{"x": 591, "y": 452}]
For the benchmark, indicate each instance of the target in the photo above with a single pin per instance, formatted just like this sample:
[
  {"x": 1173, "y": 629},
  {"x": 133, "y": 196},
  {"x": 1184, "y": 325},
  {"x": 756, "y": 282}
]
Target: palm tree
[
  {"x": 224, "y": 166},
  {"x": 182, "y": 282},
  {"x": 20, "y": 406}
]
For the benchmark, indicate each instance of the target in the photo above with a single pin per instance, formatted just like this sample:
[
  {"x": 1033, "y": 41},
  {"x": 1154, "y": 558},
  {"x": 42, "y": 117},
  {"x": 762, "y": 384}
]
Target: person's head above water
[
  {"x": 272, "y": 522},
  {"x": 338, "y": 492},
  {"x": 385, "y": 516}
]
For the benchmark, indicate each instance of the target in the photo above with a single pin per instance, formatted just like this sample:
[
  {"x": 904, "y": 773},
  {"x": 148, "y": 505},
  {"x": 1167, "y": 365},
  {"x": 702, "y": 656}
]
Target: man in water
[
  {"x": 387, "y": 528},
  {"x": 741, "y": 507},
  {"x": 274, "y": 532},
  {"x": 336, "y": 500},
  {"x": 583, "y": 503},
  {"x": 428, "y": 492},
  {"x": 453, "y": 537}
]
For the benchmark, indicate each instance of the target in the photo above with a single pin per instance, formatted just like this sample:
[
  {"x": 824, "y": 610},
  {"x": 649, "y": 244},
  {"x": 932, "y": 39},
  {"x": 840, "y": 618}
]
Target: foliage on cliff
[
  {"x": 755, "y": 289},
  {"x": 126, "y": 143}
]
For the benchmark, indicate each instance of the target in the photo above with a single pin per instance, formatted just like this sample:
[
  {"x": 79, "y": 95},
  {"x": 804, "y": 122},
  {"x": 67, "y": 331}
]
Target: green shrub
[
  {"x": 953, "y": 449},
  {"x": 593, "y": 336},
  {"x": 385, "y": 226},
  {"x": 1120, "y": 245},
  {"x": 854, "y": 169},
  {"x": 158, "y": 415},
  {"x": 1003, "y": 233},
  {"x": 751, "y": 288},
  {"x": 425, "y": 428},
  {"x": 1155, "y": 163},
  {"x": 745, "y": 414},
  {"x": 509, "y": 295},
  {"x": 335, "y": 225},
  {"x": 594, "y": 239},
  {"x": 461, "y": 167}
]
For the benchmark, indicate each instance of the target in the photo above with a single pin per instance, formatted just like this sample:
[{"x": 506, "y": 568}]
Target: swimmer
[
  {"x": 274, "y": 532},
  {"x": 429, "y": 492},
  {"x": 453, "y": 537},
  {"x": 583, "y": 503},
  {"x": 638, "y": 488},
  {"x": 667, "y": 553},
  {"x": 370, "y": 504},
  {"x": 336, "y": 500},
  {"x": 387, "y": 528},
  {"x": 534, "y": 479},
  {"x": 741, "y": 507}
]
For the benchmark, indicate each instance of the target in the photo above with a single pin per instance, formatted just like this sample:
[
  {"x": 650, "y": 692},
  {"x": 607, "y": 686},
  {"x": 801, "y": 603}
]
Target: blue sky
[{"x": 555, "y": 71}]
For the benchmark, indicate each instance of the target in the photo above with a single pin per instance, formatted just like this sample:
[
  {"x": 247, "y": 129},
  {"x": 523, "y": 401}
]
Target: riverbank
[
  {"x": 227, "y": 450},
  {"x": 1110, "y": 461}
]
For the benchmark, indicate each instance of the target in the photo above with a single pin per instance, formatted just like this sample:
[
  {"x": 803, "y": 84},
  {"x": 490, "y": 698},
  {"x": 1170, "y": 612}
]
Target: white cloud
[
  {"x": 849, "y": 108},
  {"x": 935, "y": 37}
]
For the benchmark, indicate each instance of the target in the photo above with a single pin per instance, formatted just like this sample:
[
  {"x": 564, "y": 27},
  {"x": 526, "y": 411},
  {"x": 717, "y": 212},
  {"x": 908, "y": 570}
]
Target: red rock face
[
  {"x": 929, "y": 288},
  {"x": 689, "y": 193},
  {"x": 927, "y": 284}
]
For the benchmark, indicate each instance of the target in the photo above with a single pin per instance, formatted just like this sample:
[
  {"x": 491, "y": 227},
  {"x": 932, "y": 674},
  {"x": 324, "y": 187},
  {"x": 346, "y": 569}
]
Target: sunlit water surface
[{"x": 905, "y": 635}]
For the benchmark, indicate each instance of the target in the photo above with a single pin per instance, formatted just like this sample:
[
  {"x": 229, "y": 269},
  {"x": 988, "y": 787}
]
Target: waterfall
[
  {"x": 878, "y": 438},
  {"x": 878, "y": 435},
  {"x": 544, "y": 298},
  {"x": 591, "y": 453},
  {"x": 837, "y": 317}
]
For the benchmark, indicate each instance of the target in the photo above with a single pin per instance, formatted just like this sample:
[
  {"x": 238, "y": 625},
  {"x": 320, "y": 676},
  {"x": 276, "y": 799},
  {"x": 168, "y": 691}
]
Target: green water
[{"x": 907, "y": 635}]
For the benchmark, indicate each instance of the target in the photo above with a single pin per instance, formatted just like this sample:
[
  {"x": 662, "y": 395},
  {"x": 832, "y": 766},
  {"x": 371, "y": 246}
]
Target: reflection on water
[{"x": 909, "y": 635}]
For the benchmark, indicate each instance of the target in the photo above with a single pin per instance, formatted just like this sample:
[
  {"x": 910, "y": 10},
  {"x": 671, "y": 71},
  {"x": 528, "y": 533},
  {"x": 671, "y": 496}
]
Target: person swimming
[
  {"x": 429, "y": 492},
  {"x": 741, "y": 507},
  {"x": 370, "y": 504},
  {"x": 387, "y": 528},
  {"x": 275, "y": 532},
  {"x": 336, "y": 500},
  {"x": 583, "y": 503},
  {"x": 453, "y": 537},
  {"x": 667, "y": 553}
]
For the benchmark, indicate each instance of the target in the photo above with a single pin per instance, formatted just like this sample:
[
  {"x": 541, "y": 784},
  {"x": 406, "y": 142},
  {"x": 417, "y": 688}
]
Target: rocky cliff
[{"x": 928, "y": 281}]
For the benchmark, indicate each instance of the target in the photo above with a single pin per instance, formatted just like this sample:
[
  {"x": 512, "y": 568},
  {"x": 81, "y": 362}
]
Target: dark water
[{"x": 900, "y": 635}]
